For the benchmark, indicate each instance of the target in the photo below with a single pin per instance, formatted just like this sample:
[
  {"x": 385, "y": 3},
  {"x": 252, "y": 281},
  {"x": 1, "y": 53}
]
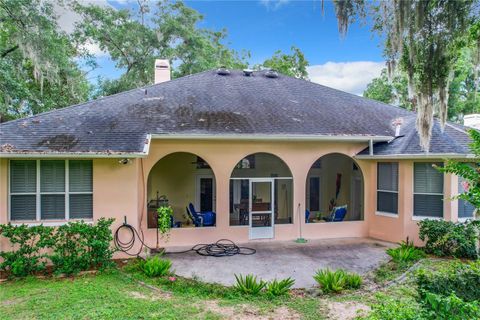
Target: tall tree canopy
[
  {"x": 463, "y": 91},
  {"x": 294, "y": 64},
  {"x": 422, "y": 37},
  {"x": 38, "y": 71},
  {"x": 135, "y": 41}
]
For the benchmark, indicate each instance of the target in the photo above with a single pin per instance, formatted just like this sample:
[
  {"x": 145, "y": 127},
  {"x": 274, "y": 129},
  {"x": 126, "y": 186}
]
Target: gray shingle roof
[
  {"x": 205, "y": 104},
  {"x": 453, "y": 139}
]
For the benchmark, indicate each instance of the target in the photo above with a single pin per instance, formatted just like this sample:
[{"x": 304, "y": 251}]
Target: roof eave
[
  {"x": 67, "y": 155},
  {"x": 272, "y": 137},
  {"x": 416, "y": 156}
]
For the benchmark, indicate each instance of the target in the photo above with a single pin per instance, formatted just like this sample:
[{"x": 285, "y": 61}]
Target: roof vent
[
  {"x": 223, "y": 71},
  {"x": 247, "y": 72},
  {"x": 271, "y": 74}
]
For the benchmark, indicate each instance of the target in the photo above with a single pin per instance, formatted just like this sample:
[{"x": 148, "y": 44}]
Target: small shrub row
[
  {"x": 250, "y": 285},
  {"x": 446, "y": 238},
  {"x": 338, "y": 280},
  {"x": 69, "y": 248}
]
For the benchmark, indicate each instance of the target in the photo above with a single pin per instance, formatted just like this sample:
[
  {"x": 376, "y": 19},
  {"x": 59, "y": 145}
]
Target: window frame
[
  {"x": 381, "y": 212},
  {"x": 38, "y": 194},
  {"x": 442, "y": 194}
]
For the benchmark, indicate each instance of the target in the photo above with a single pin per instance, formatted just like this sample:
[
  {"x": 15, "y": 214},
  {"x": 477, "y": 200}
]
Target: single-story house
[{"x": 258, "y": 155}]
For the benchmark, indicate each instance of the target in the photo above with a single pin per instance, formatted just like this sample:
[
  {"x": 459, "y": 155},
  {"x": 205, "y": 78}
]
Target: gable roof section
[{"x": 201, "y": 105}]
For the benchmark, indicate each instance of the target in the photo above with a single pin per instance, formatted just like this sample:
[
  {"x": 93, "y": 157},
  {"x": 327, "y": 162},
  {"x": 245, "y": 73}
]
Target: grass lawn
[
  {"x": 116, "y": 295},
  {"x": 131, "y": 295}
]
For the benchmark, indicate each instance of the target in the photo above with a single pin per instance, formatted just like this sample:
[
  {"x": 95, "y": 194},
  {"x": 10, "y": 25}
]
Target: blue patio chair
[
  {"x": 307, "y": 215},
  {"x": 202, "y": 219},
  {"x": 337, "y": 215},
  {"x": 174, "y": 224}
]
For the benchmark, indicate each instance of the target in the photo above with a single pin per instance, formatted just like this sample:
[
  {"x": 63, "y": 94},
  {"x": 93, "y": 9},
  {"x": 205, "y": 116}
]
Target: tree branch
[{"x": 6, "y": 52}]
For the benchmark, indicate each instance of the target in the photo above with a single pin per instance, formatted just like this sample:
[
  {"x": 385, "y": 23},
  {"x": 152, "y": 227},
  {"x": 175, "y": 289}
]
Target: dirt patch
[
  {"x": 11, "y": 302},
  {"x": 246, "y": 312},
  {"x": 346, "y": 310}
]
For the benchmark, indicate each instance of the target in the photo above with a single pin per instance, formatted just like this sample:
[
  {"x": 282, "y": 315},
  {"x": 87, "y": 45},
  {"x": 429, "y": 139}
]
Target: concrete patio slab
[{"x": 284, "y": 259}]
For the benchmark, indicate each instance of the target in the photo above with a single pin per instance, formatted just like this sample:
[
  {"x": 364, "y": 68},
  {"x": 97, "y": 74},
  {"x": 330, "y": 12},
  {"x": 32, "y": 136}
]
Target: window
[
  {"x": 387, "y": 187},
  {"x": 428, "y": 190},
  {"x": 465, "y": 208},
  {"x": 51, "y": 189}
]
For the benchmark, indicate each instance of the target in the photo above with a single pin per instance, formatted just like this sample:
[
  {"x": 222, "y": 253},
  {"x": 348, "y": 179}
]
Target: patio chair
[
  {"x": 201, "y": 219},
  {"x": 307, "y": 215},
  {"x": 337, "y": 215},
  {"x": 174, "y": 224}
]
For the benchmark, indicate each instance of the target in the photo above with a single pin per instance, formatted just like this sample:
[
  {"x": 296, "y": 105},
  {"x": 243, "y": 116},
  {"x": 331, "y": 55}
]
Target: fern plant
[
  {"x": 156, "y": 267},
  {"x": 279, "y": 288},
  {"x": 249, "y": 284}
]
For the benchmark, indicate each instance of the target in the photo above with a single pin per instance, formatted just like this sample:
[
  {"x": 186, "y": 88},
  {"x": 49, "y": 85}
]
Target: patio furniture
[
  {"x": 201, "y": 219},
  {"x": 338, "y": 214},
  {"x": 175, "y": 224}
]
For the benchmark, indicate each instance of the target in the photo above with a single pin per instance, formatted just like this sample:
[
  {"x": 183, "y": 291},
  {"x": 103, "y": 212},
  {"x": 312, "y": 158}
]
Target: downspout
[{"x": 370, "y": 147}]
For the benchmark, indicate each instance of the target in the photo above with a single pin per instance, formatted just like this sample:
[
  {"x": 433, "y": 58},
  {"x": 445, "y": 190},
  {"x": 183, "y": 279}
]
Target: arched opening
[
  {"x": 261, "y": 194},
  {"x": 334, "y": 190},
  {"x": 186, "y": 183}
]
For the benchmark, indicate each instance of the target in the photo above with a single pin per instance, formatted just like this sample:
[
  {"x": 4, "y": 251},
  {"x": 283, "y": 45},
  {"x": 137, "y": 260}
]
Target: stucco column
[
  {"x": 299, "y": 172},
  {"x": 222, "y": 181},
  {"x": 450, "y": 189},
  {"x": 405, "y": 199}
]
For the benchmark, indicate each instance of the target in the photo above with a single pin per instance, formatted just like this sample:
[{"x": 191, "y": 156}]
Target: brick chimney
[{"x": 162, "y": 70}]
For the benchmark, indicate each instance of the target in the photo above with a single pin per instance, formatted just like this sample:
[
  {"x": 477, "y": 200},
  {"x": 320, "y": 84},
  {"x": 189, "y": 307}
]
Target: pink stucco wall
[{"x": 120, "y": 190}]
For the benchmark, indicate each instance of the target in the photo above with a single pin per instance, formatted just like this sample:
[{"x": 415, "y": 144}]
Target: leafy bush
[
  {"x": 156, "y": 267},
  {"x": 393, "y": 309},
  {"x": 80, "y": 246},
  {"x": 450, "y": 307},
  {"x": 279, "y": 288},
  {"x": 249, "y": 284},
  {"x": 462, "y": 279},
  {"x": 27, "y": 244},
  {"x": 70, "y": 248},
  {"x": 336, "y": 281},
  {"x": 445, "y": 238},
  {"x": 405, "y": 253}
]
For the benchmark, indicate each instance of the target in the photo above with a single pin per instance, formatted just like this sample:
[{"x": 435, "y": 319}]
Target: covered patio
[{"x": 282, "y": 259}]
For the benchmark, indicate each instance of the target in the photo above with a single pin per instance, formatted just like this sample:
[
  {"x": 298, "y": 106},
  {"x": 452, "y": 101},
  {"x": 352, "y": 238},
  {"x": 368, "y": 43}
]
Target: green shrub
[
  {"x": 405, "y": 253},
  {"x": 156, "y": 267},
  {"x": 73, "y": 247},
  {"x": 393, "y": 309},
  {"x": 80, "y": 246},
  {"x": 462, "y": 279},
  {"x": 450, "y": 307},
  {"x": 27, "y": 244},
  {"x": 249, "y": 284},
  {"x": 445, "y": 238},
  {"x": 279, "y": 288},
  {"x": 338, "y": 280}
]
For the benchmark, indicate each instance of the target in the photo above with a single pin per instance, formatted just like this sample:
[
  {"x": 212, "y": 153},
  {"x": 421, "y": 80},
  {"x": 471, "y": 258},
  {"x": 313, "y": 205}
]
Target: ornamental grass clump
[
  {"x": 405, "y": 253},
  {"x": 337, "y": 281},
  {"x": 156, "y": 267},
  {"x": 249, "y": 284},
  {"x": 279, "y": 287}
]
